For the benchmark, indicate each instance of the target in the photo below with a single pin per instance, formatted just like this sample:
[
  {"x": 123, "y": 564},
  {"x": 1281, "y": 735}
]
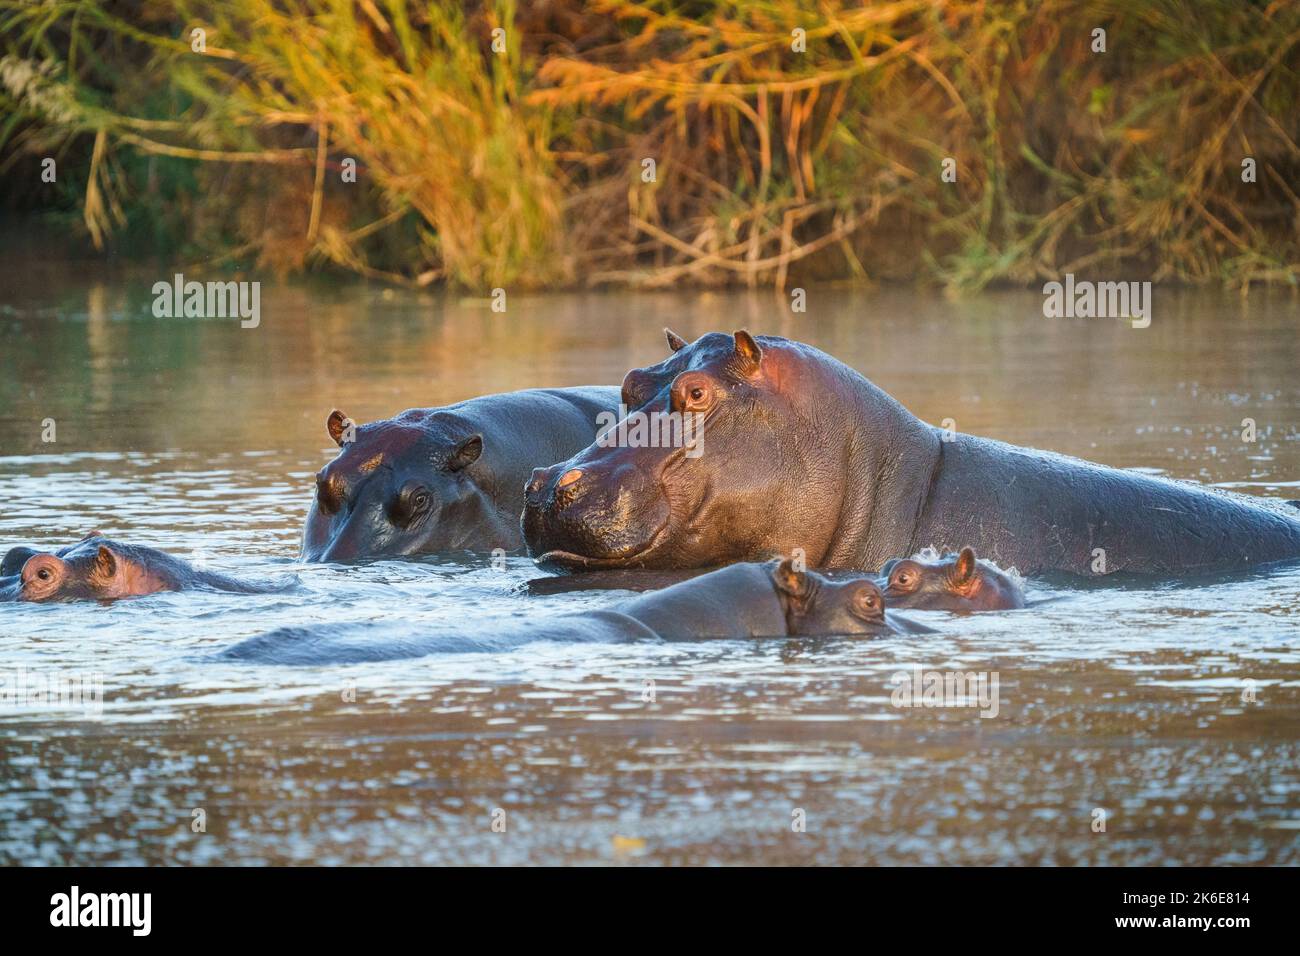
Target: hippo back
[
  {"x": 1041, "y": 512},
  {"x": 525, "y": 429},
  {"x": 736, "y": 601}
]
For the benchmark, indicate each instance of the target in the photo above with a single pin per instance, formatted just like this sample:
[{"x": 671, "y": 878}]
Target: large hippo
[
  {"x": 739, "y": 601},
  {"x": 797, "y": 450},
  {"x": 444, "y": 479},
  {"x": 99, "y": 569}
]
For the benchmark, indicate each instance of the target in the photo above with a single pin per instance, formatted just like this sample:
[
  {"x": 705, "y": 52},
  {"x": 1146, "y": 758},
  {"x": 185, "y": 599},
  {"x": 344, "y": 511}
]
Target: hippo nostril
[
  {"x": 536, "y": 487},
  {"x": 569, "y": 477}
]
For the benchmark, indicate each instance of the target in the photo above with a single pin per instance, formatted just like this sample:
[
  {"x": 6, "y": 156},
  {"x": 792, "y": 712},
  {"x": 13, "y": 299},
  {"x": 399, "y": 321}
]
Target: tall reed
[{"x": 651, "y": 143}]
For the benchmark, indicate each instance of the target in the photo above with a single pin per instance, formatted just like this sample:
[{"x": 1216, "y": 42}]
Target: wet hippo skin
[
  {"x": 797, "y": 450},
  {"x": 443, "y": 479},
  {"x": 739, "y": 601},
  {"x": 99, "y": 569}
]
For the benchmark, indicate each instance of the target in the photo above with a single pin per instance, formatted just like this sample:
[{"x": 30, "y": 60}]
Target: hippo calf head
[
  {"x": 816, "y": 605},
  {"x": 954, "y": 582},
  {"x": 399, "y": 486},
  {"x": 93, "y": 569},
  {"x": 709, "y": 500}
]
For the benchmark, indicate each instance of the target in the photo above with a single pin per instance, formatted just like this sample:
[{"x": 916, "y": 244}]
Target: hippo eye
[
  {"x": 903, "y": 579},
  {"x": 412, "y": 502},
  {"x": 867, "y": 601},
  {"x": 44, "y": 574},
  {"x": 693, "y": 394},
  {"x": 698, "y": 399}
]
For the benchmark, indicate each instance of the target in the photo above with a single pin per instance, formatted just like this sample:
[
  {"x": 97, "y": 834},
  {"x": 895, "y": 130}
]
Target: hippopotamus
[
  {"x": 99, "y": 569},
  {"x": 794, "y": 449},
  {"x": 748, "y": 600},
  {"x": 444, "y": 479},
  {"x": 953, "y": 582}
]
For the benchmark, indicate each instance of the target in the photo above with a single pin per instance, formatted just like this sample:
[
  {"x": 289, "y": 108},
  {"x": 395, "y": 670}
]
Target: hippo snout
[{"x": 587, "y": 512}]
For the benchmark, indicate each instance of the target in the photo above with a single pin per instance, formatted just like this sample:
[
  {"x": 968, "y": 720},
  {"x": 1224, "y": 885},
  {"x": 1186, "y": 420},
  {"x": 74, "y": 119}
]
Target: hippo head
[
  {"x": 747, "y": 411},
  {"x": 93, "y": 569},
  {"x": 816, "y": 605},
  {"x": 955, "y": 582},
  {"x": 397, "y": 487}
]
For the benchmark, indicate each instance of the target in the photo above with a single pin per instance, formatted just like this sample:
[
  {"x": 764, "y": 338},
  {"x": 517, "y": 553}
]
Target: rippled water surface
[{"x": 1175, "y": 710}]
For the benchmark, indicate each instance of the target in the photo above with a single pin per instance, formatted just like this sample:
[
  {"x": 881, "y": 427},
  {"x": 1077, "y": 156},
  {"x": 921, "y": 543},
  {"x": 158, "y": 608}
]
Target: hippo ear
[
  {"x": 675, "y": 341},
  {"x": 466, "y": 453},
  {"x": 341, "y": 428},
  {"x": 747, "y": 349},
  {"x": 964, "y": 569},
  {"x": 105, "y": 564},
  {"x": 790, "y": 581}
]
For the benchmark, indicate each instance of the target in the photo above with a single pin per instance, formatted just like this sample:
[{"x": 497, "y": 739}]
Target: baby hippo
[
  {"x": 738, "y": 601},
  {"x": 955, "y": 582},
  {"x": 97, "y": 568}
]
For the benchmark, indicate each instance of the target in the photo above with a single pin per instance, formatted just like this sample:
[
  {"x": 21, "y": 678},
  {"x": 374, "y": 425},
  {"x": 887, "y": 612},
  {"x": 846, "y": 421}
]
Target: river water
[{"x": 1169, "y": 715}]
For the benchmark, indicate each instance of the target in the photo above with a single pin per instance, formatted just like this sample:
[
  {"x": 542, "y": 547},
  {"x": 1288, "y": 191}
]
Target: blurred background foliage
[{"x": 505, "y": 143}]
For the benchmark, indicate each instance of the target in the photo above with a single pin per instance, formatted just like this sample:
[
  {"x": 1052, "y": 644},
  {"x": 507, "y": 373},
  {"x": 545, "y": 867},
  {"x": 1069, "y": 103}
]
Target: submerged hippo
[
  {"x": 796, "y": 450},
  {"x": 443, "y": 479},
  {"x": 100, "y": 569},
  {"x": 738, "y": 601},
  {"x": 954, "y": 582}
]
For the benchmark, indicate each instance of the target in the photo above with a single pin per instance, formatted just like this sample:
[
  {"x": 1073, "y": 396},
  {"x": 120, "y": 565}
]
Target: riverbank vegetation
[{"x": 649, "y": 143}]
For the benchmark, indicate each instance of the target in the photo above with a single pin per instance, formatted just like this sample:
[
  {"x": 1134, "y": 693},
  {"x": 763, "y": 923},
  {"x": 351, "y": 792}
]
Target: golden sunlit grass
[{"x": 787, "y": 138}]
